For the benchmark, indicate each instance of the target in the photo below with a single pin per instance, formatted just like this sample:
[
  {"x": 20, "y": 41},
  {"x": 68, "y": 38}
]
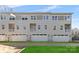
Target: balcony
[{"x": 67, "y": 27}]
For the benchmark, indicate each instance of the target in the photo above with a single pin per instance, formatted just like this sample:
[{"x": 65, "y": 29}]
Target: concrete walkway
[{"x": 8, "y": 49}]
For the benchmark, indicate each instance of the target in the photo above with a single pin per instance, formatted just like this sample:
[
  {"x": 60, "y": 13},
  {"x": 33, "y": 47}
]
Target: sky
[{"x": 50, "y": 8}]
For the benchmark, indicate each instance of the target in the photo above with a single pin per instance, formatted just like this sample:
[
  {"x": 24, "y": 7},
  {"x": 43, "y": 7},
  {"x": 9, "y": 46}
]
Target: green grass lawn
[{"x": 51, "y": 49}]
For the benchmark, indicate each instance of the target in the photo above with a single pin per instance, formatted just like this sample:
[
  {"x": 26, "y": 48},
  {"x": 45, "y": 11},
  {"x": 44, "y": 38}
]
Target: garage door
[
  {"x": 61, "y": 38},
  {"x": 2, "y": 37},
  {"x": 39, "y": 37},
  {"x": 19, "y": 38}
]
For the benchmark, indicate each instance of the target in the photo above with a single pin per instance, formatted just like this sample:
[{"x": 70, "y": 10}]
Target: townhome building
[{"x": 35, "y": 26}]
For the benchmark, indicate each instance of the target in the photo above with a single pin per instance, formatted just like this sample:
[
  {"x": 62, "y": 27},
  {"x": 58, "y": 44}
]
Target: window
[
  {"x": 3, "y": 27},
  {"x": 60, "y": 17},
  {"x": 45, "y": 26},
  {"x": 1, "y": 17},
  {"x": 46, "y": 17},
  {"x": 54, "y": 28},
  {"x": 39, "y": 17},
  {"x": 39, "y": 27},
  {"x": 11, "y": 18},
  {"x": 24, "y": 18},
  {"x": 61, "y": 27},
  {"x": 55, "y": 17},
  {"x": 67, "y": 17},
  {"x": 52, "y": 17},
  {"x": 33, "y": 18}
]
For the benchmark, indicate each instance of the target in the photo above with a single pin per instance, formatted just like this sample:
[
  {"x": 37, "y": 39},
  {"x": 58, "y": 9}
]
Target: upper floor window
[
  {"x": 46, "y": 17},
  {"x": 2, "y": 17},
  {"x": 33, "y": 17},
  {"x": 24, "y": 18},
  {"x": 60, "y": 17},
  {"x": 39, "y": 17},
  {"x": 54, "y": 17},
  {"x": 67, "y": 17},
  {"x": 11, "y": 18}
]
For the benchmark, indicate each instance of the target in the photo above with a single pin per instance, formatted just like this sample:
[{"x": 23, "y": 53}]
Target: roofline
[{"x": 41, "y": 12}]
